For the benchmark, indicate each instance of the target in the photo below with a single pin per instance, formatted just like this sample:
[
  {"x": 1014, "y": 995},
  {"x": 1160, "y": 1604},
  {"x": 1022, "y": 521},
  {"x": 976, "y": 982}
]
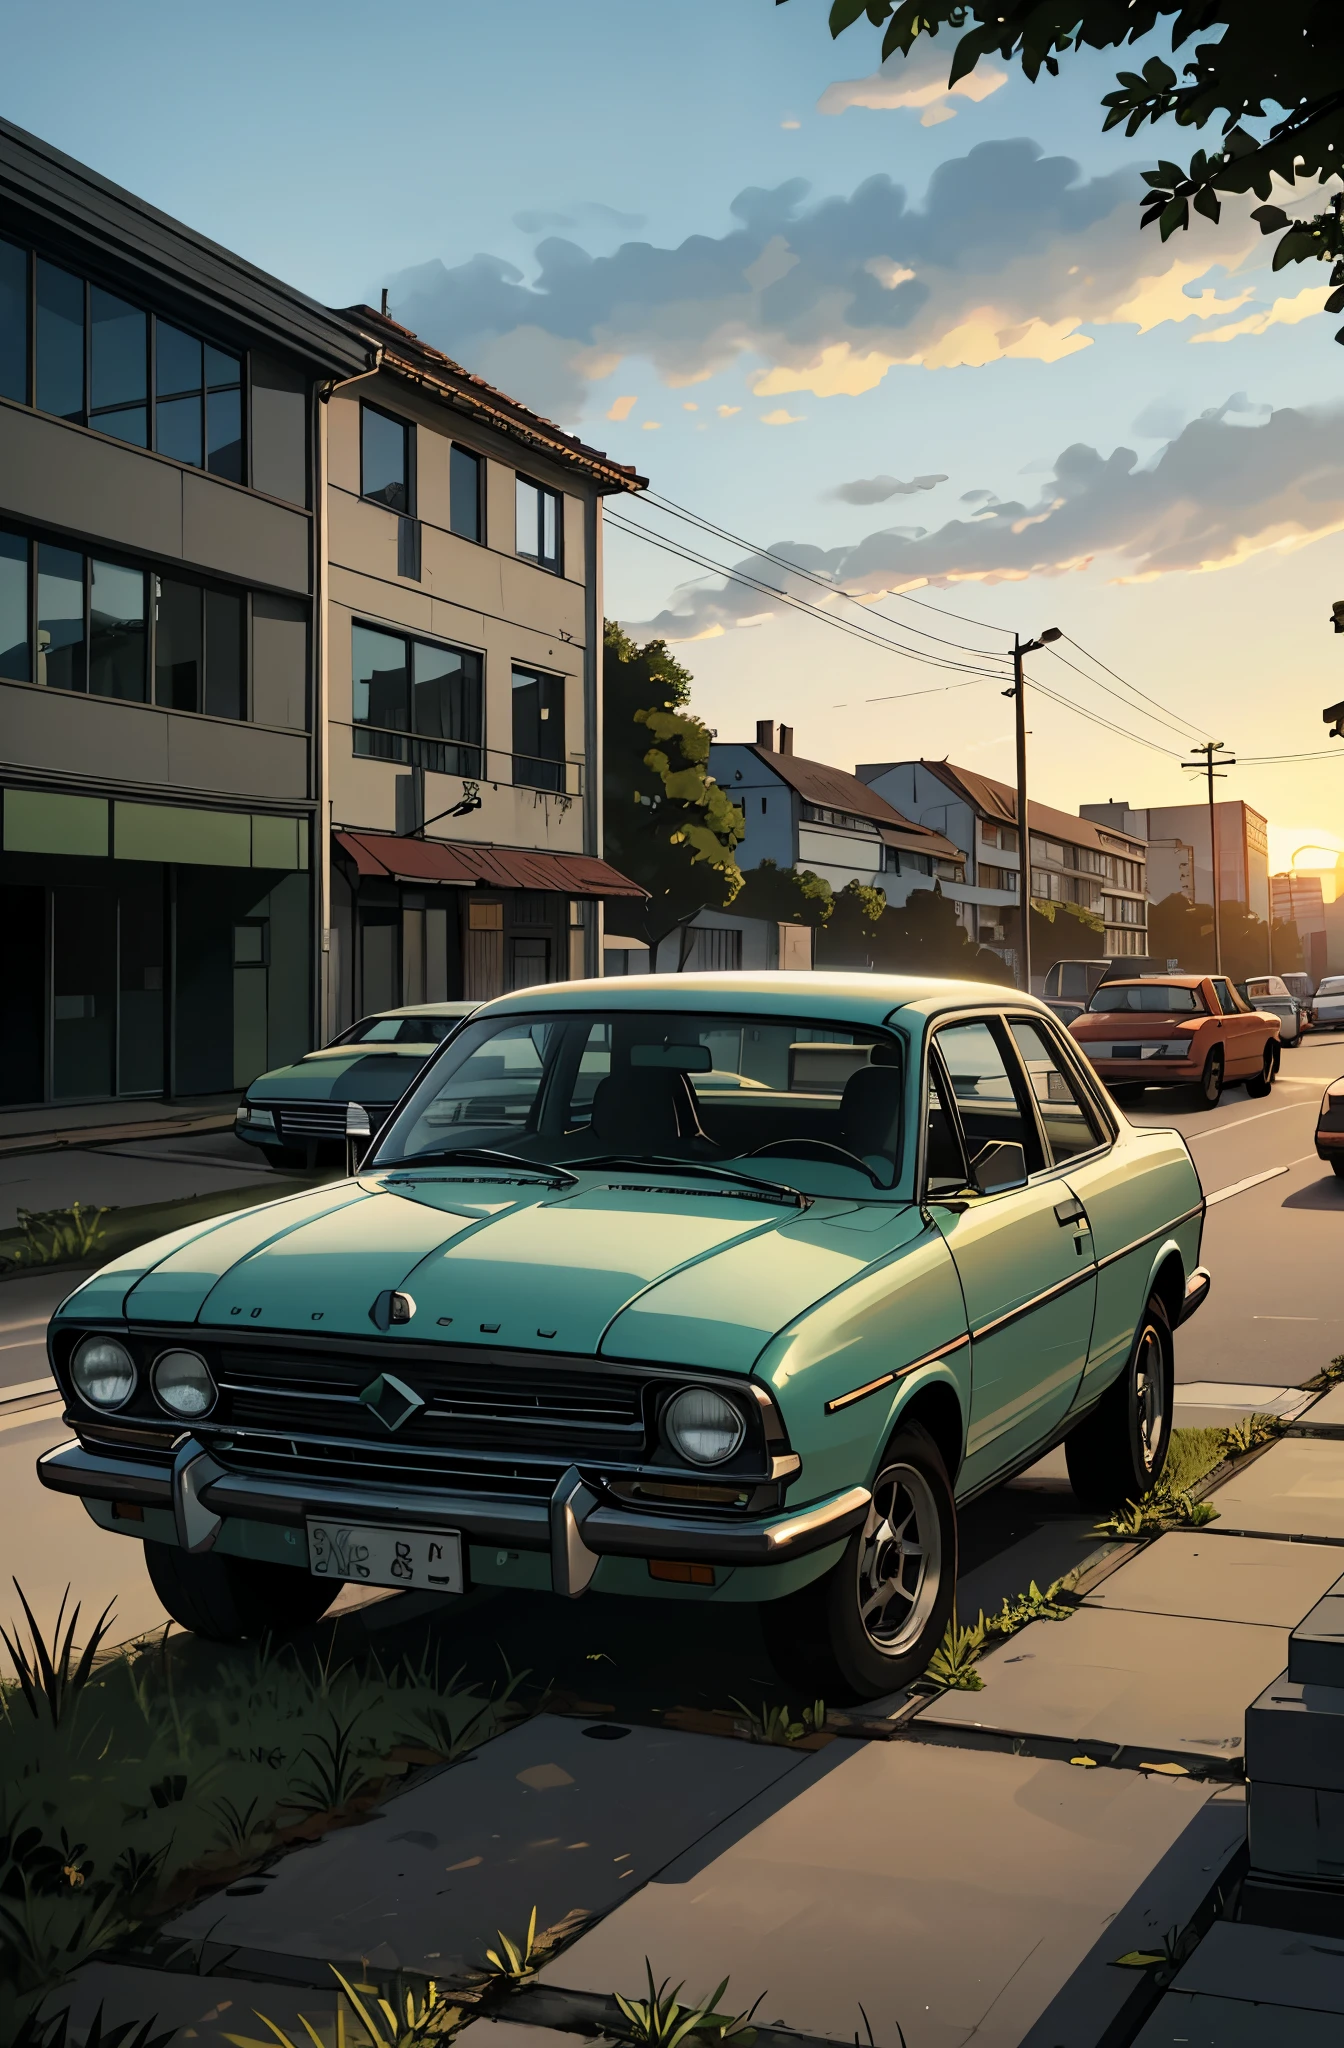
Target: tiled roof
[
  {"x": 498, "y": 867},
  {"x": 998, "y": 800},
  {"x": 405, "y": 353}
]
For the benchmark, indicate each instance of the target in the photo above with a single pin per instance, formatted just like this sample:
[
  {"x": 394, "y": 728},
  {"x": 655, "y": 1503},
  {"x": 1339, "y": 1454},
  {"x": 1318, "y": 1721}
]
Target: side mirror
[
  {"x": 358, "y": 1135},
  {"x": 997, "y": 1168}
]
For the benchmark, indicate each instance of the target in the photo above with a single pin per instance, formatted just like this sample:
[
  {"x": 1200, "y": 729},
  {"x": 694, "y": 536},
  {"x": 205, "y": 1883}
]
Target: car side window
[
  {"x": 1229, "y": 1001},
  {"x": 1070, "y": 1122},
  {"x": 989, "y": 1103},
  {"x": 944, "y": 1161}
]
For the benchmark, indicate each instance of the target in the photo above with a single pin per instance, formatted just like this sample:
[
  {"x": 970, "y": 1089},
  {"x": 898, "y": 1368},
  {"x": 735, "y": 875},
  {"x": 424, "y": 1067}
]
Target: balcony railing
[{"x": 479, "y": 764}]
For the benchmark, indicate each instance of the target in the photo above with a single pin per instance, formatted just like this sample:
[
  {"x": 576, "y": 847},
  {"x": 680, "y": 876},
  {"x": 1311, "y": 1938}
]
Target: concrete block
[
  {"x": 1295, "y": 1735},
  {"x": 1266, "y": 1966},
  {"x": 1327, "y": 1414},
  {"x": 1296, "y": 1830},
  {"x": 1187, "y": 2019},
  {"x": 1316, "y": 1645}
]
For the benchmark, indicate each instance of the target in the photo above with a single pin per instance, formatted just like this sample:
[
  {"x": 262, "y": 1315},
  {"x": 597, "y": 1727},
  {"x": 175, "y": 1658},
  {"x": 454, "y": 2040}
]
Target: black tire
[
  {"x": 228, "y": 1599},
  {"x": 1337, "y": 1167},
  {"x": 1261, "y": 1083},
  {"x": 819, "y": 1637},
  {"x": 1211, "y": 1080},
  {"x": 1127, "y": 1091},
  {"x": 1119, "y": 1451}
]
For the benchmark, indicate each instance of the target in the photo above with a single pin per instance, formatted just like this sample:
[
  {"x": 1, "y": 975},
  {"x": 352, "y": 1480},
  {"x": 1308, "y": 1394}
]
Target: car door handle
[{"x": 1071, "y": 1213}]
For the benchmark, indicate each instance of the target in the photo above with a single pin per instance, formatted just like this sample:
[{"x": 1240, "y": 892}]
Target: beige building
[{"x": 461, "y": 766}]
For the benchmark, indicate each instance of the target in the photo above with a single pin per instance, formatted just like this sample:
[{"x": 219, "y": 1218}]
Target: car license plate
[{"x": 367, "y": 1555}]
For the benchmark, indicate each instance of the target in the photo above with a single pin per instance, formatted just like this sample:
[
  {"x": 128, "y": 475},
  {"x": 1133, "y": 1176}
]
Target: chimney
[
  {"x": 786, "y": 739},
  {"x": 766, "y": 735}
]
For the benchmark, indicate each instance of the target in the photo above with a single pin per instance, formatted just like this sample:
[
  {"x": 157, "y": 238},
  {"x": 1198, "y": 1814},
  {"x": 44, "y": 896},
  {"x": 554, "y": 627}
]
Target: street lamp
[
  {"x": 1333, "y": 716},
  {"x": 1018, "y": 691}
]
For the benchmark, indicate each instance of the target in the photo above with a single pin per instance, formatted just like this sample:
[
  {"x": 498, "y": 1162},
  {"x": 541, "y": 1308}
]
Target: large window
[
  {"x": 385, "y": 460},
  {"x": 466, "y": 474},
  {"x": 816, "y": 1106},
  {"x": 416, "y": 701},
  {"x": 75, "y": 621},
  {"x": 538, "y": 730},
  {"x": 539, "y": 524},
  {"x": 103, "y": 362}
]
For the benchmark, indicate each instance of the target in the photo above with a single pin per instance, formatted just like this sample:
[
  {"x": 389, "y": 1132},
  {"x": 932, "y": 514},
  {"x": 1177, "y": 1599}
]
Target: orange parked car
[{"x": 1173, "y": 1030}]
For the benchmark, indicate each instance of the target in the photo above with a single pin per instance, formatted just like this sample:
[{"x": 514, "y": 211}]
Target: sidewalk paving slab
[
  {"x": 1296, "y": 1488},
  {"x": 1204, "y": 1404},
  {"x": 542, "y": 1816},
  {"x": 1155, "y": 1681},
  {"x": 951, "y": 1893},
  {"x": 1325, "y": 1416},
  {"x": 1200, "y": 1577},
  {"x": 1266, "y": 1966},
  {"x": 206, "y": 2010}
]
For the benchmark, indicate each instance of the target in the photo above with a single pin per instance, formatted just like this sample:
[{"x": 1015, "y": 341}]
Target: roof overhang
[{"x": 384, "y": 855}]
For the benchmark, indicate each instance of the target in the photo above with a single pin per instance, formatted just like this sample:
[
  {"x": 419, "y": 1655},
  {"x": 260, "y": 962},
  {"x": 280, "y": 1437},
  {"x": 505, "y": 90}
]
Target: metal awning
[{"x": 384, "y": 855}]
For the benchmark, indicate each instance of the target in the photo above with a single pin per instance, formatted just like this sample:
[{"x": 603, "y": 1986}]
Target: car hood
[
  {"x": 611, "y": 1269},
  {"x": 341, "y": 1073}
]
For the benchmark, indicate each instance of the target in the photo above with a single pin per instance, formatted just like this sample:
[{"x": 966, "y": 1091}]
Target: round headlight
[
  {"x": 103, "y": 1372},
  {"x": 702, "y": 1426},
  {"x": 182, "y": 1383}
]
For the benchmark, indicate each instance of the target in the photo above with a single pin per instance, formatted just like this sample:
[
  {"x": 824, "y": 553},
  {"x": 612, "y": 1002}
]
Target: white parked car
[
  {"x": 1271, "y": 992},
  {"x": 1328, "y": 1007}
]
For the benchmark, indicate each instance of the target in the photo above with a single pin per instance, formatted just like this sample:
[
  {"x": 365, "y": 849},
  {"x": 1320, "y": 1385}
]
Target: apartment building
[
  {"x": 1299, "y": 899},
  {"x": 159, "y": 567},
  {"x": 1182, "y": 859},
  {"x": 1099, "y": 867},
  {"x": 462, "y": 688}
]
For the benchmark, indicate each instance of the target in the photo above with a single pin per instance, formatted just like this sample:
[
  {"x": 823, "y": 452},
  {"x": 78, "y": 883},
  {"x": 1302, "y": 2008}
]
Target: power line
[
  {"x": 833, "y": 589},
  {"x": 1191, "y": 726},
  {"x": 1182, "y": 731},
  {"x": 1095, "y": 718},
  {"x": 810, "y": 610},
  {"x": 1271, "y": 760}
]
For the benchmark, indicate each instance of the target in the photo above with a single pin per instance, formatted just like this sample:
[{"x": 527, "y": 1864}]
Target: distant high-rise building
[
  {"x": 1179, "y": 854},
  {"x": 1299, "y": 900}
]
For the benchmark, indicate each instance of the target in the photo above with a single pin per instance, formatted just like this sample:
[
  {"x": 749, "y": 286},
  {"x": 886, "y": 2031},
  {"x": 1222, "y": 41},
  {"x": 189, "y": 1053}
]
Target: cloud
[
  {"x": 911, "y": 82},
  {"x": 1009, "y": 254},
  {"x": 1160, "y": 420},
  {"x": 1218, "y": 494},
  {"x": 621, "y": 408},
  {"x": 780, "y": 418},
  {"x": 1283, "y": 313},
  {"x": 535, "y": 222},
  {"x": 726, "y": 412},
  {"x": 875, "y": 490}
]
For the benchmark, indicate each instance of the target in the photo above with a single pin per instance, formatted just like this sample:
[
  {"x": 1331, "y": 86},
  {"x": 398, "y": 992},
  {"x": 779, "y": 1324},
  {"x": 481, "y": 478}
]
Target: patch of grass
[
  {"x": 952, "y": 1666},
  {"x": 125, "y": 1229},
  {"x": 780, "y": 1725},
  {"x": 1191, "y": 1455},
  {"x": 661, "y": 2021},
  {"x": 1250, "y": 1433},
  {"x": 406, "y": 2020},
  {"x": 132, "y": 1782},
  {"x": 51, "y": 1237},
  {"x": 1033, "y": 1605},
  {"x": 1328, "y": 1376},
  {"x": 1162, "y": 1507}
]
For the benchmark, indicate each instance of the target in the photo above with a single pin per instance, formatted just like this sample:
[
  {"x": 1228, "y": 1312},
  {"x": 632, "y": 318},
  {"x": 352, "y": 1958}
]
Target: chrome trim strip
[
  {"x": 1024, "y": 1308},
  {"x": 1138, "y": 1243},
  {"x": 897, "y": 1373}
]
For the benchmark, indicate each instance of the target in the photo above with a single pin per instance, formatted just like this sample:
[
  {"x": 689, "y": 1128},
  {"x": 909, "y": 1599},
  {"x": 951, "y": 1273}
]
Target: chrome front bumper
[{"x": 575, "y": 1526}]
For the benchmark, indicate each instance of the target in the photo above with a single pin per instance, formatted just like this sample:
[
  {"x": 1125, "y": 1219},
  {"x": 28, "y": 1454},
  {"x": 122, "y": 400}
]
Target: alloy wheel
[
  {"x": 1150, "y": 1392},
  {"x": 900, "y": 1560}
]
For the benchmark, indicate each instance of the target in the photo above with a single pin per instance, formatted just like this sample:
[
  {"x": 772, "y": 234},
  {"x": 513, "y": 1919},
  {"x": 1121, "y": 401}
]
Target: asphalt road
[{"x": 1275, "y": 1316}]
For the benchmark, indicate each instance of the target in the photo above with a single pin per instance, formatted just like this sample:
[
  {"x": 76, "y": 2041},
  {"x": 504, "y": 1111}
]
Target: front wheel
[
  {"x": 1261, "y": 1083},
  {"x": 1119, "y": 1451},
  {"x": 872, "y": 1623},
  {"x": 1211, "y": 1080},
  {"x": 1337, "y": 1166},
  {"x": 227, "y": 1599}
]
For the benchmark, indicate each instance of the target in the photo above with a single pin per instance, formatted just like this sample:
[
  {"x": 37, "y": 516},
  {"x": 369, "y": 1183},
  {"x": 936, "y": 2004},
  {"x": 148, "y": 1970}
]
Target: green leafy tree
[
  {"x": 849, "y": 936},
  {"x": 1289, "y": 58},
  {"x": 784, "y": 895},
  {"x": 923, "y": 935},
  {"x": 667, "y": 824},
  {"x": 1064, "y": 931},
  {"x": 1183, "y": 931}
]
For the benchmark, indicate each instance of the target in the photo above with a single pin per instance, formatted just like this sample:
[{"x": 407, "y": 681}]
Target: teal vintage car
[
  {"x": 709, "y": 1287},
  {"x": 298, "y": 1116}
]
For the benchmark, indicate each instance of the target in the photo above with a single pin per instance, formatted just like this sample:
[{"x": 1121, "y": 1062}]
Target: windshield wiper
[
  {"x": 484, "y": 1155},
  {"x": 694, "y": 1166}
]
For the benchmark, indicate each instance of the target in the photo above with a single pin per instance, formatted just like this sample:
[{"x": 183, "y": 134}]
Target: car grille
[
  {"x": 332, "y": 1463},
  {"x": 299, "y": 1121},
  {"x": 499, "y": 1403}
]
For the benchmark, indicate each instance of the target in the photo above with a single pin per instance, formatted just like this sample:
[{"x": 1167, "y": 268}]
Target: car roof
[
  {"x": 1157, "y": 980},
  {"x": 427, "y": 1010},
  {"x": 858, "y": 998}
]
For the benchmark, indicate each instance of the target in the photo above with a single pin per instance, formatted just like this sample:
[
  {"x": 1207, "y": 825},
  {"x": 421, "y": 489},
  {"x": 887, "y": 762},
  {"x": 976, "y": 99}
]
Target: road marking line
[
  {"x": 39, "y": 1412},
  {"x": 29, "y": 1387},
  {"x": 1239, "y": 1187},
  {"x": 31, "y": 1323}
]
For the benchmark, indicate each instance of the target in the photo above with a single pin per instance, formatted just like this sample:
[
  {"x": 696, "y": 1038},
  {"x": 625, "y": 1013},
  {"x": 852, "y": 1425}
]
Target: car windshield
[
  {"x": 814, "y": 1105},
  {"x": 398, "y": 1031},
  {"x": 1161, "y": 998},
  {"x": 1333, "y": 985}
]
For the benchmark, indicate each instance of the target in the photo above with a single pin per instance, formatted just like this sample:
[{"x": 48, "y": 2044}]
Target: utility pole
[
  {"x": 1018, "y": 694},
  {"x": 1206, "y": 768}
]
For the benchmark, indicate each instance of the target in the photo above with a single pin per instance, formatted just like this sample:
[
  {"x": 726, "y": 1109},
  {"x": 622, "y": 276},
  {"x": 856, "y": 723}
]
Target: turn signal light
[{"x": 679, "y": 1573}]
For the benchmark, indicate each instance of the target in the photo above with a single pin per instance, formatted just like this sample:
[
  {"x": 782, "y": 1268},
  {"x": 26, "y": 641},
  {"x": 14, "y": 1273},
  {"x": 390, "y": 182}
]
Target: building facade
[
  {"x": 1183, "y": 863},
  {"x": 1299, "y": 899},
  {"x": 462, "y": 687},
  {"x": 159, "y": 572},
  {"x": 1098, "y": 867}
]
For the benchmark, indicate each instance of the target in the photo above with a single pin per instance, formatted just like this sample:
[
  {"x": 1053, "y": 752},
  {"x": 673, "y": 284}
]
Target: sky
[{"x": 913, "y": 341}]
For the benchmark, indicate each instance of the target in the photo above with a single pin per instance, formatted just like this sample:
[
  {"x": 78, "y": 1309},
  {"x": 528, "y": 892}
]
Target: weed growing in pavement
[
  {"x": 952, "y": 1666},
  {"x": 54, "y": 2032},
  {"x": 135, "y": 1779},
  {"x": 1162, "y": 1507},
  {"x": 1250, "y": 1433},
  {"x": 407, "y": 2020},
  {"x": 1329, "y": 1376},
  {"x": 780, "y": 1725},
  {"x": 1033, "y": 1605},
  {"x": 661, "y": 2021},
  {"x": 49, "y": 1236},
  {"x": 512, "y": 1962}
]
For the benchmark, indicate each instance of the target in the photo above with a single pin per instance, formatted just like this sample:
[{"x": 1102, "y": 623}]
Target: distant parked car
[
  {"x": 1330, "y": 1127},
  {"x": 297, "y": 1116},
  {"x": 1066, "y": 1012},
  {"x": 1327, "y": 1008},
  {"x": 1299, "y": 985},
  {"x": 1271, "y": 992},
  {"x": 1074, "y": 981},
  {"x": 1181, "y": 1028}
]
